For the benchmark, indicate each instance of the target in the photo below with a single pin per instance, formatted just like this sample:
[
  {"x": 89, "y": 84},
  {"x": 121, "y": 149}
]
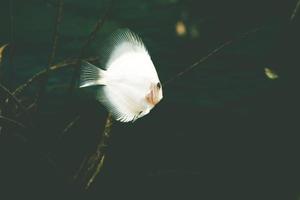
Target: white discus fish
[{"x": 131, "y": 87}]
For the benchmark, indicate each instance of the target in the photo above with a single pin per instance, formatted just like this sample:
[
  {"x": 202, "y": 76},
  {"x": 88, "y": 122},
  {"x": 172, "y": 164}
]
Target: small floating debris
[
  {"x": 270, "y": 73},
  {"x": 1, "y": 51},
  {"x": 180, "y": 28}
]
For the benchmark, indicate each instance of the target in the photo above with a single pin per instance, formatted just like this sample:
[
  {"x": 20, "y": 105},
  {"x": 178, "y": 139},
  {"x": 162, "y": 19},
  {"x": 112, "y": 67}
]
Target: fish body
[{"x": 131, "y": 87}]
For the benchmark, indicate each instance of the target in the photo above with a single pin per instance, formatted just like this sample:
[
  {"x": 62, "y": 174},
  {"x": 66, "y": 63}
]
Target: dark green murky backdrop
[{"x": 223, "y": 131}]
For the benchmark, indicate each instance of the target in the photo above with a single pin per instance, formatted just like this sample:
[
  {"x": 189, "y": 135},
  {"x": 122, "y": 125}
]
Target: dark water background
[{"x": 222, "y": 131}]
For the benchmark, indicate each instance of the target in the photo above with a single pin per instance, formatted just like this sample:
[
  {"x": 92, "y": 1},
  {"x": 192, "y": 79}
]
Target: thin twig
[
  {"x": 80, "y": 168},
  {"x": 55, "y": 67},
  {"x": 96, "y": 172},
  {"x": 92, "y": 35},
  {"x": 101, "y": 150},
  {"x": 90, "y": 38},
  {"x": 92, "y": 165},
  {"x": 28, "y": 108},
  {"x": 58, "y": 20},
  {"x": 70, "y": 125},
  {"x": 213, "y": 52},
  {"x": 295, "y": 11},
  {"x": 13, "y": 97},
  {"x": 39, "y": 75},
  {"x": 10, "y": 122}
]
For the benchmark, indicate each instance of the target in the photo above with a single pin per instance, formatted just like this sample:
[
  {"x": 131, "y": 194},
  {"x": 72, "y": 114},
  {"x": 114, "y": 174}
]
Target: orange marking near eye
[
  {"x": 153, "y": 95},
  {"x": 150, "y": 98}
]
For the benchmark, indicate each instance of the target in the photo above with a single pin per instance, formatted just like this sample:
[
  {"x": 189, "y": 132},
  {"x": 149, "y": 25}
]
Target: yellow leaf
[
  {"x": 1, "y": 51},
  {"x": 270, "y": 73},
  {"x": 180, "y": 28}
]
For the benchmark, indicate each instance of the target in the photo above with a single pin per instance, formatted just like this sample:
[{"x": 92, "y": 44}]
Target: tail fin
[{"x": 90, "y": 75}]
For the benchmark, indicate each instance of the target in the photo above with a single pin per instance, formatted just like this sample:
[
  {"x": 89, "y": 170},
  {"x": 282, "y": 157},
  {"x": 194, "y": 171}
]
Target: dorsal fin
[{"x": 120, "y": 42}]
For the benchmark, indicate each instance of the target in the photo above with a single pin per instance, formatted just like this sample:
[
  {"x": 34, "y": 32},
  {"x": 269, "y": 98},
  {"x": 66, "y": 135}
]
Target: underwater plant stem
[
  {"x": 55, "y": 38},
  {"x": 212, "y": 53},
  {"x": 295, "y": 11},
  {"x": 92, "y": 165},
  {"x": 90, "y": 38}
]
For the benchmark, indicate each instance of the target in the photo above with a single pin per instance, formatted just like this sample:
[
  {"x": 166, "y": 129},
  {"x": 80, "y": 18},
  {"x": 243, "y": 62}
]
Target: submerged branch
[
  {"x": 55, "y": 38},
  {"x": 38, "y": 75},
  {"x": 92, "y": 165}
]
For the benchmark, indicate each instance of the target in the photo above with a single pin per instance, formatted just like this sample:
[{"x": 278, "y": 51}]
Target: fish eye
[{"x": 158, "y": 85}]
